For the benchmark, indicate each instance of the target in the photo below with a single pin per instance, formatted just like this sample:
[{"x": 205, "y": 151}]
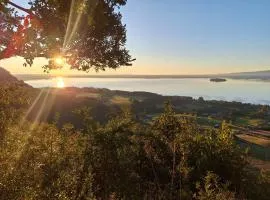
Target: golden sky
[{"x": 144, "y": 66}]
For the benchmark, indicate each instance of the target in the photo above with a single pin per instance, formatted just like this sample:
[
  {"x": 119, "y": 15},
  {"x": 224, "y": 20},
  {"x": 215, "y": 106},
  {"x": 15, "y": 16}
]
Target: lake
[{"x": 247, "y": 91}]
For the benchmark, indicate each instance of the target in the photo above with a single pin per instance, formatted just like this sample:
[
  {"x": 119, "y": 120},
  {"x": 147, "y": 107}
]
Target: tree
[
  {"x": 84, "y": 33},
  {"x": 168, "y": 158},
  {"x": 14, "y": 98},
  {"x": 201, "y": 99},
  {"x": 213, "y": 190}
]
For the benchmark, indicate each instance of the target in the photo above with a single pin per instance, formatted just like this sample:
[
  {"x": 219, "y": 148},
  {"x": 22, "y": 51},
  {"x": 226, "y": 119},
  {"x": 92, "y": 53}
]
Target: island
[{"x": 218, "y": 80}]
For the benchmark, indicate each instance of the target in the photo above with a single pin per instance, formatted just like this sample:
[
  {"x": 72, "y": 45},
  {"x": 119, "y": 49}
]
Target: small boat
[{"x": 218, "y": 80}]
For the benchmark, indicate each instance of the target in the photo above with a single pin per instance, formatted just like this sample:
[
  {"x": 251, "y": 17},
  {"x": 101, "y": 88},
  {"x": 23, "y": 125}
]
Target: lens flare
[{"x": 59, "y": 61}]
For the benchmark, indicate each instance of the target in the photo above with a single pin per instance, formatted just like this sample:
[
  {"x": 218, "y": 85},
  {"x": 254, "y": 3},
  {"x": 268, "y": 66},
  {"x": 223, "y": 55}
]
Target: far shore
[{"x": 30, "y": 77}]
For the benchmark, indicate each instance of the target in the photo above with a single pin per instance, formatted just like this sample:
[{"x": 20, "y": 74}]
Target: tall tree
[{"x": 85, "y": 33}]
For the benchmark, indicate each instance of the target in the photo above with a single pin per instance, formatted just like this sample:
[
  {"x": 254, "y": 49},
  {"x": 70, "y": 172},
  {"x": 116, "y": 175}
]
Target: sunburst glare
[{"x": 59, "y": 60}]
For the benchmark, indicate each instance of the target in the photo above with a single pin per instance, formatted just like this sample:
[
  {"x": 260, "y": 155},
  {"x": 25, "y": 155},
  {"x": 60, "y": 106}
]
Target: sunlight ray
[
  {"x": 71, "y": 15},
  {"x": 37, "y": 118},
  {"x": 31, "y": 107},
  {"x": 45, "y": 108},
  {"x": 74, "y": 29},
  {"x": 46, "y": 103}
]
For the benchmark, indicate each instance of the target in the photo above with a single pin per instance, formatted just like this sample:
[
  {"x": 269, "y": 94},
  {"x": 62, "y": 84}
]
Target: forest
[{"x": 123, "y": 157}]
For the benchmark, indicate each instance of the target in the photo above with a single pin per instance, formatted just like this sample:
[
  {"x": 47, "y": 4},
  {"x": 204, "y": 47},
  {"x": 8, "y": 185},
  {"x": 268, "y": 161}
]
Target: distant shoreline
[{"x": 26, "y": 77}]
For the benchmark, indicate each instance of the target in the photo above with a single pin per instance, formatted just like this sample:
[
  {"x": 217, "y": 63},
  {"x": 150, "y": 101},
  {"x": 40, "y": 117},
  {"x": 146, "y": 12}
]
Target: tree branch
[{"x": 20, "y": 8}]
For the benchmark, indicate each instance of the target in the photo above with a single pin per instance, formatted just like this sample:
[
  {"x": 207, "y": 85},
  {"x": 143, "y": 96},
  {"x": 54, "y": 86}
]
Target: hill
[
  {"x": 265, "y": 75},
  {"x": 7, "y": 78}
]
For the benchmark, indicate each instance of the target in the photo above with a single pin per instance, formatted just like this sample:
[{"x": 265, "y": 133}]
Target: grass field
[
  {"x": 88, "y": 94},
  {"x": 260, "y": 164},
  {"x": 119, "y": 100},
  {"x": 255, "y": 140},
  {"x": 249, "y": 122}
]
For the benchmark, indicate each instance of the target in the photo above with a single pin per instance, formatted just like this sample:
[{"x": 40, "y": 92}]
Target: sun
[
  {"x": 60, "y": 83},
  {"x": 59, "y": 60}
]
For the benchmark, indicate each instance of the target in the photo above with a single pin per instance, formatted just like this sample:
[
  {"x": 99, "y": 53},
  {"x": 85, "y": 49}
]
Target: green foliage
[
  {"x": 13, "y": 98},
  {"x": 170, "y": 158},
  {"x": 213, "y": 190},
  {"x": 43, "y": 164}
]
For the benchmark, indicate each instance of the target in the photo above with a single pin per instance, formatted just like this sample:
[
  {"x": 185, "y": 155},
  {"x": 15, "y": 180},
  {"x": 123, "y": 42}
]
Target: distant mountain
[
  {"x": 7, "y": 78},
  {"x": 265, "y": 75}
]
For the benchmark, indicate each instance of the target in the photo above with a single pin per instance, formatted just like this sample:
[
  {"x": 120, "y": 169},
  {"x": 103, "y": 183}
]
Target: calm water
[{"x": 249, "y": 91}]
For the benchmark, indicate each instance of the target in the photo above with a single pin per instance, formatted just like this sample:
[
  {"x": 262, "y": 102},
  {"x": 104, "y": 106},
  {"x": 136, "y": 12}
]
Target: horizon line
[{"x": 86, "y": 74}]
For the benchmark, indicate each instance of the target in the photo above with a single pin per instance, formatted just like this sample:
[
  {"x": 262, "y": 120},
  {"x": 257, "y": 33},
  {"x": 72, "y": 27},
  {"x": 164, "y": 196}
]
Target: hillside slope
[{"x": 7, "y": 78}]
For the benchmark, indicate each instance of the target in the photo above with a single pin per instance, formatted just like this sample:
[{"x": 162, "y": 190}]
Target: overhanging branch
[{"x": 20, "y": 8}]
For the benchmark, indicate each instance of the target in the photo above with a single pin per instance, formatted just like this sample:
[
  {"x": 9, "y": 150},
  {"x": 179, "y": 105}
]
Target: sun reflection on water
[{"x": 60, "y": 82}]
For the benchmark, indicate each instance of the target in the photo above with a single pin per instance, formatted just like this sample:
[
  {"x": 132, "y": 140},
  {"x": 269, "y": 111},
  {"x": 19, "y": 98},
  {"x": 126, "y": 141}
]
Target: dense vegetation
[
  {"x": 146, "y": 106},
  {"x": 170, "y": 157}
]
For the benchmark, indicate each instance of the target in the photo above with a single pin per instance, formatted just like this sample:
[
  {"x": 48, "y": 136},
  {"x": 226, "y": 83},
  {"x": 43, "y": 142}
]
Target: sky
[{"x": 188, "y": 37}]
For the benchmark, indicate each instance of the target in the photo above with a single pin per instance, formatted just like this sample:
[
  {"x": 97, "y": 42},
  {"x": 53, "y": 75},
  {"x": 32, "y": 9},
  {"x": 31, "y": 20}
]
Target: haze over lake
[{"x": 247, "y": 91}]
